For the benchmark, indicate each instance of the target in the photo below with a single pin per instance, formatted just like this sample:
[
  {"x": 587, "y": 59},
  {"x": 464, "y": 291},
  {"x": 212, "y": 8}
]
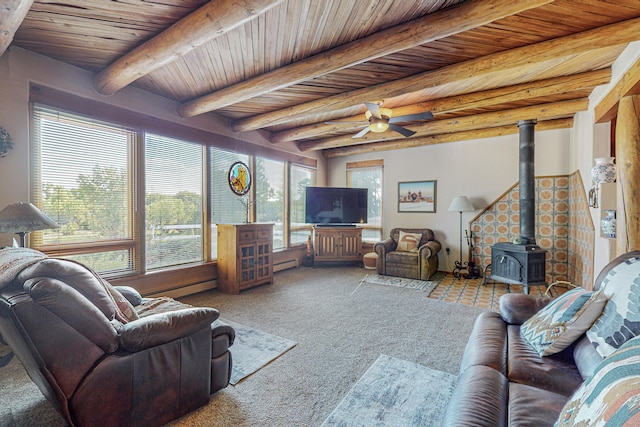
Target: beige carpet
[{"x": 339, "y": 335}]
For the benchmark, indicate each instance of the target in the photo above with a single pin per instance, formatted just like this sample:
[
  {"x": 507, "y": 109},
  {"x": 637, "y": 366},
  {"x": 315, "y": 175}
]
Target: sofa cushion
[
  {"x": 399, "y": 257},
  {"x": 74, "y": 309},
  {"x": 620, "y": 319},
  {"x": 522, "y": 400},
  {"x": 556, "y": 373},
  {"x": 563, "y": 320},
  {"x": 109, "y": 301},
  {"x": 611, "y": 395},
  {"x": 408, "y": 242}
]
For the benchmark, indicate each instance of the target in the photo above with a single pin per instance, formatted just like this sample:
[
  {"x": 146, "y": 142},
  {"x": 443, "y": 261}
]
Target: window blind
[{"x": 173, "y": 201}]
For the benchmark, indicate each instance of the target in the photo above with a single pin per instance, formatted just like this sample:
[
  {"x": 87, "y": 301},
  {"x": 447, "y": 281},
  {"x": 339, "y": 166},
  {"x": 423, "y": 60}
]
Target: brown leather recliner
[
  {"x": 421, "y": 263},
  {"x": 98, "y": 358}
]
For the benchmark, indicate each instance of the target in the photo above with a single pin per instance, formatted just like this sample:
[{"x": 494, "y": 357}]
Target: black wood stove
[{"x": 522, "y": 262}]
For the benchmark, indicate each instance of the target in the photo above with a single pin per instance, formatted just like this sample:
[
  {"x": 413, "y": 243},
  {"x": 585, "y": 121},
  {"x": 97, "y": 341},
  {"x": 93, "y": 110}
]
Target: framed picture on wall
[{"x": 417, "y": 196}]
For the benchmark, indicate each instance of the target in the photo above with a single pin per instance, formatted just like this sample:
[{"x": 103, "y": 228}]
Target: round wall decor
[{"x": 239, "y": 178}]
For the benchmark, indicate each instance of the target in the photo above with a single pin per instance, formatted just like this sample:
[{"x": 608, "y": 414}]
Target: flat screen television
[{"x": 335, "y": 205}]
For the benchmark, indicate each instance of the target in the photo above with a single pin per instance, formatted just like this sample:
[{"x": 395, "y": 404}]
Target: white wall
[
  {"x": 480, "y": 169},
  {"x": 19, "y": 68}
]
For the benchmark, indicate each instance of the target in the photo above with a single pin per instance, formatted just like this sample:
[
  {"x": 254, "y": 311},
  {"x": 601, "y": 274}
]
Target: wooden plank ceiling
[{"x": 288, "y": 66}]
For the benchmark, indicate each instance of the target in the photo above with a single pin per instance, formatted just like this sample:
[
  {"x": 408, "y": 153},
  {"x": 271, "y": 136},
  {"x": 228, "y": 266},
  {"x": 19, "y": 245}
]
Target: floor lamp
[{"x": 462, "y": 204}]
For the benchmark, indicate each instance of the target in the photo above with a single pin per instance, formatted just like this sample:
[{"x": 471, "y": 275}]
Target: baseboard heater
[
  {"x": 185, "y": 290},
  {"x": 285, "y": 265}
]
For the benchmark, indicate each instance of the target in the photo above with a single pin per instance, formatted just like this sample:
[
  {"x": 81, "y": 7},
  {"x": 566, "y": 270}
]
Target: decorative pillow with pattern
[
  {"x": 408, "y": 242},
  {"x": 611, "y": 396},
  {"x": 620, "y": 319},
  {"x": 561, "y": 322}
]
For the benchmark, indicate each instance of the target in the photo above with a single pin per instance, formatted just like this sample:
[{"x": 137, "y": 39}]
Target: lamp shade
[
  {"x": 24, "y": 217},
  {"x": 461, "y": 204}
]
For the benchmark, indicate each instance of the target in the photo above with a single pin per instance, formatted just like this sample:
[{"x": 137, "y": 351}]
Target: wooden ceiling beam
[
  {"x": 444, "y": 23},
  {"x": 12, "y": 13},
  {"x": 629, "y": 84},
  {"x": 208, "y": 22},
  {"x": 483, "y": 99},
  {"x": 443, "y": 138},
  {"x": 548, "y": 111},
  {"x": 518, "y": 60}
]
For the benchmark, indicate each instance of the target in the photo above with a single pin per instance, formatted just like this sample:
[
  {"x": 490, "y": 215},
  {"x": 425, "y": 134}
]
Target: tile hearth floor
[{"x": 472, "y": 292}]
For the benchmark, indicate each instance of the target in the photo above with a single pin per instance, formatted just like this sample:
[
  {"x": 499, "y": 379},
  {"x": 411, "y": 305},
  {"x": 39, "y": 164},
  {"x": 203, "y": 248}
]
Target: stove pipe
[{"x": 527, "y": 182}]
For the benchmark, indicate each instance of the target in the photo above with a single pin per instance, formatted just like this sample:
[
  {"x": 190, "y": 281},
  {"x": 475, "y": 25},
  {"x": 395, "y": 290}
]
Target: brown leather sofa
[
  {"x": 419, "y": 264},
  {"x": 101, "y": 359},
  {"x": 503, "y": 381}
]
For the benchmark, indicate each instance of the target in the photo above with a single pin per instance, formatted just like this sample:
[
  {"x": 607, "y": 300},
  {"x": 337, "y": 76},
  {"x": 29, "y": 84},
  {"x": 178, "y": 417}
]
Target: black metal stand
[{"x": 472, "y": 271}]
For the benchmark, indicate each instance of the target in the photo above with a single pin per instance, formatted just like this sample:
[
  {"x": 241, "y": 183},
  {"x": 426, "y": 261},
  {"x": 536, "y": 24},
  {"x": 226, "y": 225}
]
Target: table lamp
[{"x": 22, "y": 218}]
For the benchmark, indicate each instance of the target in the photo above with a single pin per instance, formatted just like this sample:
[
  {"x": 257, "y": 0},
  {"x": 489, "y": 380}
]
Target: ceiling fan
[{"x": 380, "y": 119}]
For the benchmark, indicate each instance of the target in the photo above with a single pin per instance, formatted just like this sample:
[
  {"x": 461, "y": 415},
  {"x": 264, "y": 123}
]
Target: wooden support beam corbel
[
  {"x": 12, "y": 13},
  {"x": 210, "y": 21},
  {"x": 629, "y": 84},
  {"x": 444, "y": 23},
  {"x": 519, "y": 61}
]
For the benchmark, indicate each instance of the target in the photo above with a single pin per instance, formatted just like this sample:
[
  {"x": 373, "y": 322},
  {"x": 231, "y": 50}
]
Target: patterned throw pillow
[
  {"x": 611, "y": 396},
  {"x": 408, "y": 242},
  {"x": 620, "y": 319},
  {"x": 563, "y": 320}
]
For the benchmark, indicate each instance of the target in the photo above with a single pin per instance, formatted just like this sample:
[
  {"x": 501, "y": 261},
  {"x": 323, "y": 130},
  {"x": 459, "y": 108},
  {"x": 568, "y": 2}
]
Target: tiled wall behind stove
[{"x": 563, "y": 227}]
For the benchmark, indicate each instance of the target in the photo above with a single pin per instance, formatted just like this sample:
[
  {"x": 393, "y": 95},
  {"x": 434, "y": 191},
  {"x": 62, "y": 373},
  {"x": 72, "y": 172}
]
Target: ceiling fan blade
[
  {"x": 374, "y": 109},
  {"x": 346, "y": 123},
  {"x": 362, "y": 133},
  {"x": 412, "y": 117},
  {"x": 401, "y": 130}
]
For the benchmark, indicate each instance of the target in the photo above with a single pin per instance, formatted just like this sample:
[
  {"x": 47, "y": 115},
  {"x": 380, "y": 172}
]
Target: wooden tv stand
[{"x": 333, "y": 244}]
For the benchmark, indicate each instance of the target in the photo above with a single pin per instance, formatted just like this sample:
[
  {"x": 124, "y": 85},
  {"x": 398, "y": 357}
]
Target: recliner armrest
[
  {"x": 515, "y": 309},
  {"x": 219, "y": 328},
  {"x": 161, "y": 328}
]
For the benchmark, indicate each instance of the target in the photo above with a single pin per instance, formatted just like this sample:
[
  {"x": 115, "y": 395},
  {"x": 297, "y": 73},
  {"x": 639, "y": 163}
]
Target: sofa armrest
[
  {"x": 161, "y": 328},
  {"x": 384, "y": 246},
  {"x": 515, "y": 309},
  {"x": 429, "y": 249}
]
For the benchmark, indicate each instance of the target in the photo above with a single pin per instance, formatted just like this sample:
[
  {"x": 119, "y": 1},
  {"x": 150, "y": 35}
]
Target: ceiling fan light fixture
[
  {"x": 378, "y": 125},
  {"x": 381, "y": 124}
]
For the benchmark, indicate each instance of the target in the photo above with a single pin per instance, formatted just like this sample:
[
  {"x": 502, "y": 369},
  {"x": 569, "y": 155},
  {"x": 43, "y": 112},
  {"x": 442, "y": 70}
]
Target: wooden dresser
[
  {"x": 331, "y": 244},
  {"x": 245, "y": 256}
]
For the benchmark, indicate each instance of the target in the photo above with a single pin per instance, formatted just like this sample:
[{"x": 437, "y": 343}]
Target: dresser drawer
[
  {"x": 264, "y": 234},
  {"x": 247, "y": 235}
]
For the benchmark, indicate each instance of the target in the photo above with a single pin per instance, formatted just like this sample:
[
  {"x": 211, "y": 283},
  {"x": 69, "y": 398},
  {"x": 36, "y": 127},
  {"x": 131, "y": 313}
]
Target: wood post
[{"x": 628, "y": 171}]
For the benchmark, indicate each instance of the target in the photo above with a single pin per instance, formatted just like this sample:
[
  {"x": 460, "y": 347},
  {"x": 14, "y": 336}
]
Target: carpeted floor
[{"x": 339, "y": 335}]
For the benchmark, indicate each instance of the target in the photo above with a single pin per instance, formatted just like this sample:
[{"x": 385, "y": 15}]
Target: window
[
  {"x": 82, "y": 180},
  {"x": 269, "y": 181},
  {"x": 129, "y": 200},
  {"x": 300, "y": 177},
  {"x": 368, "y": 174},
  {"x": 226, "y": 207},
  {"x": 173, "y": 202}
]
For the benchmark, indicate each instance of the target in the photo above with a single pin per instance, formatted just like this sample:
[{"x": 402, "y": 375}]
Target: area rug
[
  {"x": 254, "y": 349},
  {"x": 423, "y": 285},
  {"x": 394, "y": 392}
]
